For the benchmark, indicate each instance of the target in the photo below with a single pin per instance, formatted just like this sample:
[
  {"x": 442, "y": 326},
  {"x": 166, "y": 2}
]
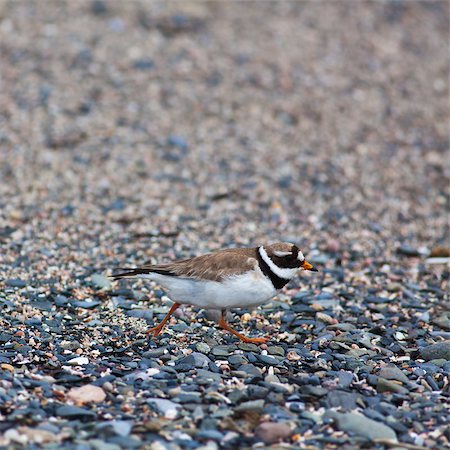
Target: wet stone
[
  {"x": 203, "y": 348},
  {"x": 270, "y": 432},
  {"x": 361, "y": 426},
  {"x": 384, "y": 385},
  {"x": 436, "y": 351},
  {"x": 165, "y": 407},
  {"x": 195, "y": 359},
  {"x": 276, "y": 350},
  {"x": 250, "y": 406},
  {"x": 250, "y": 369},
  {"x": 74, "y": 412},
  {"x": 269, "y": 360},
  {"x": 115, "y": 427},
  {"x": 222, "y": 350},
  {"x": 246, "y": 347},
  {"x": 341, "y": 399},
  {"x": 393, "y": 373},
  {"x": 15, "y": 282}
]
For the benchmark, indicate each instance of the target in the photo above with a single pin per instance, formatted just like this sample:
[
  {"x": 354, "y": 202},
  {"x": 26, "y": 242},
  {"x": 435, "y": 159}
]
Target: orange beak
[{"x": 307, "y": 266}]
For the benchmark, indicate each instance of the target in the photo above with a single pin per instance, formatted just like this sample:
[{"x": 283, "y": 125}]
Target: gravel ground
[{"x": 150, "y": 131}]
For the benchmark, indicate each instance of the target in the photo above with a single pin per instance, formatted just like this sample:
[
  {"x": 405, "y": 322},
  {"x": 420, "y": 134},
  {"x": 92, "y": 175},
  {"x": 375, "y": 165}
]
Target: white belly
[{"x": 252, "y": 289}]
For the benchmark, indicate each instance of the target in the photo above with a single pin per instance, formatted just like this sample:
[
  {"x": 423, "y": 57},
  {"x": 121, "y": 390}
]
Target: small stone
[
  {"x": 188, "y": 397},
  {"x": 98, "y": 444},
  {"x": 79, "y": 361},
  {"x": 100, "y": 281},
  {"x": 208, "y": 375},
  {"x": 272, "y": 432},
  {"x": 253, "y": 405},
  {"x": 361, "y": 425},
  {"x": 333, "y": 245},
  {"x": 7, "y": 367},
  {"x": 442, "y": 321},
  {"x": 74, "y": 412},
  {"x": 154, "y": 353},
  {"x": 275, "y": 350},
  {"x": 407, "y": 250},
  {"x": 98, "y": 7},
  {"x": 250, "y": 369},
  {"x": 15, "y": 282},
  {"x": 221, "y": 350},
  {"x": 384, "y": 385},
  {"x": 165, "y": 407},
  {"x": 342, "y": 399},
  {"x": 86, "y": 394},
  {"x": 144, "y": 64},
  {"x": 247, "y": 347},
  {"x": 195, "y": 359},
  {"x": 117, "y": 427},
  {"x": 293, "y": 356},
  {"x": 202, "y": 347},
  {"x": 269, "y": 360},
  {"x": 213, "y": 435},
  {"x": 326, "y": 318},
  {"x": 177, "y": 141},
  {"x": 13, "y": 435},
  {"x": 392, "y": 372},
  {"x": 440, "y": 350}
]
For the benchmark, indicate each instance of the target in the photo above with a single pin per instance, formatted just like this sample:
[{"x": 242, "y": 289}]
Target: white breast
[{"x": 247, "y": 290}]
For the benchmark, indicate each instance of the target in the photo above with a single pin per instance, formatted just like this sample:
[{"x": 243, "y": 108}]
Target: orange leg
[
  {"x": 223, "y": 324},
  {"x": 156, "y": 330}
]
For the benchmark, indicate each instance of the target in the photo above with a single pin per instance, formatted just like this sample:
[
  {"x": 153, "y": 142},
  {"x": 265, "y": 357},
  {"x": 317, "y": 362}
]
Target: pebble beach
[{"x": 134, "y": 132}]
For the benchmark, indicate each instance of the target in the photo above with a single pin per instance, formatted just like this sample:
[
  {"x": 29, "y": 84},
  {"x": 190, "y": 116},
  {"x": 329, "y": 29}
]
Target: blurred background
[{"x": 130, "y": 130}]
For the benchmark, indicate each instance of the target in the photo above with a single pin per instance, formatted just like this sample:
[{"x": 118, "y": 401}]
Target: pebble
[
  {"x": 361, "y": 426},
  {"x": 440, "y": 350},
  {"x": 392, "y": 372},
  {"x": 86, "y": 394},
  {"x": 165, "y": 407},
  {"x": 8, "y": 367},
  {"x": 15, "y": 282},
  {"x": 276, "y": 350},
  {"x": 74, "y": 412},
  {"x": 384, "y": 385},
  {"x": 221, "y": 350},
  {"x": 79, "y": 361},
  {"x": 203, "y": 348},
  {"x": 116, "y": 427},
  {"x": 252, "y": 405},
  {"x": 100, "y": 281},
  {"x": 273, "y": 432},
  {"x": 195, "y": 359}
]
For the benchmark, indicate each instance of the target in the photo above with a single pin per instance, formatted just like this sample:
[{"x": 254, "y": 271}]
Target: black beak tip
[{"x": 314, "y": 269}]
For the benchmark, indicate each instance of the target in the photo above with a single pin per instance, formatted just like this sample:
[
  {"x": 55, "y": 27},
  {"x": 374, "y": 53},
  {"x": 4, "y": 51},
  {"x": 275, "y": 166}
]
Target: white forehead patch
[
  {"x": 281, "y": 254},
  {"x": 300, "y": 256}
]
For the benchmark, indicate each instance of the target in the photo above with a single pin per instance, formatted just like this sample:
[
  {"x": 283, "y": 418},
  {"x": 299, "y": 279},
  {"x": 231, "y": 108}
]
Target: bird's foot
[
  {"x": 258, "y": 340},
  {"x": 155, "y": 330}
]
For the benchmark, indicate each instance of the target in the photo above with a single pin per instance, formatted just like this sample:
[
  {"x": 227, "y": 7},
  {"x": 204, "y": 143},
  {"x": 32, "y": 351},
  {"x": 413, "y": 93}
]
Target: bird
[{"x": 225, "y": 279}]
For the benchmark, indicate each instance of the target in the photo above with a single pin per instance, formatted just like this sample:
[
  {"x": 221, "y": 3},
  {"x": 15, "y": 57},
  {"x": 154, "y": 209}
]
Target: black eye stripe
[{"x": 286, "y": 262}]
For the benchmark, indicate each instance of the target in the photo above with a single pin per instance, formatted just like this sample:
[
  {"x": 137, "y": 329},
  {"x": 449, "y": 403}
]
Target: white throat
[{"x": 285, "y": 273}]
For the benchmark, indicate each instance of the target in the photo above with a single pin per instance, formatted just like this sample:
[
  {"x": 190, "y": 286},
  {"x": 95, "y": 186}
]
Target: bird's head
[{"x": 286, "y": 257}]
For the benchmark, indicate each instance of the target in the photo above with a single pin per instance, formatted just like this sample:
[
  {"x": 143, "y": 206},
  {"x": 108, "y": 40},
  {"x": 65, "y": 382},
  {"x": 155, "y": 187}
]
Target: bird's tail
[{"x": 127, "y": 272}]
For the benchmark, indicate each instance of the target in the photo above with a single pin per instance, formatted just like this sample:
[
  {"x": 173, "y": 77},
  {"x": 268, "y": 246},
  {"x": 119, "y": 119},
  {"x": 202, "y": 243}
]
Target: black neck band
[{"x": 277, "y": 281}]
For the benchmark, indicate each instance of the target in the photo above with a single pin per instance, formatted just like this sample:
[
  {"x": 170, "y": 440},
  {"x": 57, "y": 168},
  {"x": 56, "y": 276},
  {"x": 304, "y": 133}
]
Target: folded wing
[{"x": 213, "y": 266}]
